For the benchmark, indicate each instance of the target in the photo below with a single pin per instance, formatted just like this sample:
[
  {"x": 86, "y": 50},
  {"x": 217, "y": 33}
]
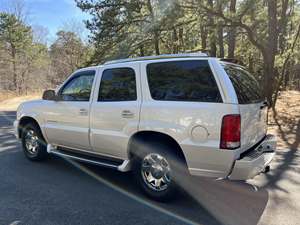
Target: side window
[
  {"x": 118, "y": 84},
  {"x": 246, "y": 87},
  {"x": 79, "y": 88},
  {"x": 190, "y": 80}
]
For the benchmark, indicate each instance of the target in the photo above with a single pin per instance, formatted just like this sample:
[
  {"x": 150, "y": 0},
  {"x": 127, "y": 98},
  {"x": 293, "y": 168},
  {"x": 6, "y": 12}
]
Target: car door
[
  {"x": 115, "y": 109},
  {"x": 67, "y": 120}
]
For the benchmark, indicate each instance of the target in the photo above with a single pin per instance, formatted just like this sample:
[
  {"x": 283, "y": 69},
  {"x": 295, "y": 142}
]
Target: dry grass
[
  {"x": 6, "y": 95},
  {"x": 10, "y": 102}
]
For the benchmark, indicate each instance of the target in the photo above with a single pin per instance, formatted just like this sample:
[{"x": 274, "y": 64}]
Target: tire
[
  {"x": 33, "y": 143},
  {"x": 169, "y": 170}
]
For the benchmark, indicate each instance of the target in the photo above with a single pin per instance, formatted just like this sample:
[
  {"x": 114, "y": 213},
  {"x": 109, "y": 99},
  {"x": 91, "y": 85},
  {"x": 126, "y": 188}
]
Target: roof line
[{"x": 164, "y": 56}]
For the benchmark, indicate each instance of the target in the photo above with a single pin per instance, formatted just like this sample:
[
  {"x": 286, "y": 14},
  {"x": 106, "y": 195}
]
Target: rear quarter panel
[{"x": 195, "y": 126}]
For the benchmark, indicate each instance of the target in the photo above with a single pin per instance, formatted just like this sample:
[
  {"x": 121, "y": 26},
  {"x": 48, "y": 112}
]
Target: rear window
[
  {"x": 190, "y": 80},
  {"x": 245, "y": 85}
]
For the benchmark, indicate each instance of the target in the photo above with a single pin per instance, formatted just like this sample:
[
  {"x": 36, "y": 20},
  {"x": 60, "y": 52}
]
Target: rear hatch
[{"x": 253, "y": 108}]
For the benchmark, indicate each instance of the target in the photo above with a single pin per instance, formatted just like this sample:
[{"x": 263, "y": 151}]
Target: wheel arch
[
  {"x": 153, "y": 136},
  {"x": 26, "y": 120}
]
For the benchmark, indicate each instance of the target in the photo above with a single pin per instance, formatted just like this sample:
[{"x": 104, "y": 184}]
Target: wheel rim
[
  {"x": 156, "y": 172},
  {"x": 31, "y": 142}
]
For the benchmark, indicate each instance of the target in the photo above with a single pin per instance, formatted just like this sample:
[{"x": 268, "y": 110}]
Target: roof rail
[
  {"x": 164, "y": 56},
  {"x": 232, "y": 60}
]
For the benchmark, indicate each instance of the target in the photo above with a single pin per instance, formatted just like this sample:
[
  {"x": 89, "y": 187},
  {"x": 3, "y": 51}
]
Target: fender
[{"x": 35, "y": 116}]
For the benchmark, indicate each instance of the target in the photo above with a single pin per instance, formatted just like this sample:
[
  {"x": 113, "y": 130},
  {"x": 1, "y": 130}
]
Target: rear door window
[
  {"x": 190, "y": 80},
  {"x": 245, "y": 85},
  {"x": 118, "y": 84}
]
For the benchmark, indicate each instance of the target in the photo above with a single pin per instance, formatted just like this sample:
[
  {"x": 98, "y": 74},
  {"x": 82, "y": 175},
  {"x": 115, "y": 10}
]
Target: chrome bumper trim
[{"x": 254, "y": 162}]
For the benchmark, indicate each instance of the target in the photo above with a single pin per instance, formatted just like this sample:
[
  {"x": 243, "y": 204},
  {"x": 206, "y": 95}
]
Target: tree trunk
[
  {"x": 283, "y": 25},
  {"x": 231, "y": 32},
  {"x": 286, "y": 74},
  {"x": 15, "y": 75},
  {"x": 269, "y": 73},
  {"x": 220, "y": 40},
  {"x": 181, "y": 41},
  {"x": 155, "y": 28},
  {"x": 271, "y": 51},
  {"x": 142, "y": 53},
  {"x": 203, "y": 36},
  {"x": 212, "y": 36},
  {"x": 220, "y": 30},
  {"x": 175, "y": 41},
  {"x": 251, "y": 63},
  {"x": 156, "y": 42}
]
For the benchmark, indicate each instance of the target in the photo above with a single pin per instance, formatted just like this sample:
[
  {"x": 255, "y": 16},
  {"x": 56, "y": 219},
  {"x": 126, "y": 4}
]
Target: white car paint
[{"x": 110, "y": 128}]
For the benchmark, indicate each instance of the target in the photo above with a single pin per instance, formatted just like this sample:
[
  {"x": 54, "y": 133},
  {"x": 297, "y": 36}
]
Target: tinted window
[
  {"x": 182, "y": 81},
  {"x": 118, "y": 85},
  {"x": 246, "y": 87},
  {"x": 79, "y": 87}
]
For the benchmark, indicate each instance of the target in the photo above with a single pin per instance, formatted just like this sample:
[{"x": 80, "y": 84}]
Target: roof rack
[{"x": 164, "y": 56}]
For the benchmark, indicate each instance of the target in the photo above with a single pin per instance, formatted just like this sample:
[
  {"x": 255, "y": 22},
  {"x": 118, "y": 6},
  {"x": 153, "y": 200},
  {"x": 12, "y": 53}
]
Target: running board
[{"x": 120, "y": 165}]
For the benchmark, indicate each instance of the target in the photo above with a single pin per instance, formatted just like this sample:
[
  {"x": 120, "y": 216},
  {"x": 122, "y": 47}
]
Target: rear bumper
[{"x": 255, "y": 161}]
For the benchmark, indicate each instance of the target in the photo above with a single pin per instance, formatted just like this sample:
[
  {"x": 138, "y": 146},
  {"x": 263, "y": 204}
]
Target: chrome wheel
[
  {"x": 156, "y": 172},
  {"x": 31, "y": 142}
]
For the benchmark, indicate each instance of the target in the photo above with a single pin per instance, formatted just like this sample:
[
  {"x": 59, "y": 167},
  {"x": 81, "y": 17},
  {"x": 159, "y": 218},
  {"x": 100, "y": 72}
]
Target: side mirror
[{"x": 49, "y": 95}]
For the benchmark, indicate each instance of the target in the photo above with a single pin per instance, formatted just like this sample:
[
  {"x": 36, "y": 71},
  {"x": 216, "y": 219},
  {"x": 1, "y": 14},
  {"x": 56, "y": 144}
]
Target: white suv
[{"x": 161, "y": 116}]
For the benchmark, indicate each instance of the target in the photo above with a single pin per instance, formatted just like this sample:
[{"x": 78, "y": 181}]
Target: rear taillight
[{"x": 231, "y": 132}]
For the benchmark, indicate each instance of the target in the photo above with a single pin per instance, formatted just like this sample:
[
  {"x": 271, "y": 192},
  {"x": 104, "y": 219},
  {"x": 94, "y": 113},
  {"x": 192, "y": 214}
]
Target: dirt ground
[{"x": 285, "y": 122}]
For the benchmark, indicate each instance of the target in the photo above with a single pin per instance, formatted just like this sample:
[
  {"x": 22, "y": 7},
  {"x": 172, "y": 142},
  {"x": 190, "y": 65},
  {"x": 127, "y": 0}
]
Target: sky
[{"x": 51, "y": 14}]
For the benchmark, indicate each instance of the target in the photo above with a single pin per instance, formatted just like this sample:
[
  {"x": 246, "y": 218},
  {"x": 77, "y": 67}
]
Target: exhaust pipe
[{"x": 267, "y": 169}]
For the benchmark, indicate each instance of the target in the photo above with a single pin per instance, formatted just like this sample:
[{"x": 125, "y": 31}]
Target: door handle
[
  {"x": 83, "y": 112},
  {"x": 127, "y": 114}
]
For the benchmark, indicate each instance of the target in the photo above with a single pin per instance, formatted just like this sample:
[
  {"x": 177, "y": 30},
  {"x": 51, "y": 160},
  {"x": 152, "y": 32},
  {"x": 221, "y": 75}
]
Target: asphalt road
[{"x": 67, "y": 192}]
